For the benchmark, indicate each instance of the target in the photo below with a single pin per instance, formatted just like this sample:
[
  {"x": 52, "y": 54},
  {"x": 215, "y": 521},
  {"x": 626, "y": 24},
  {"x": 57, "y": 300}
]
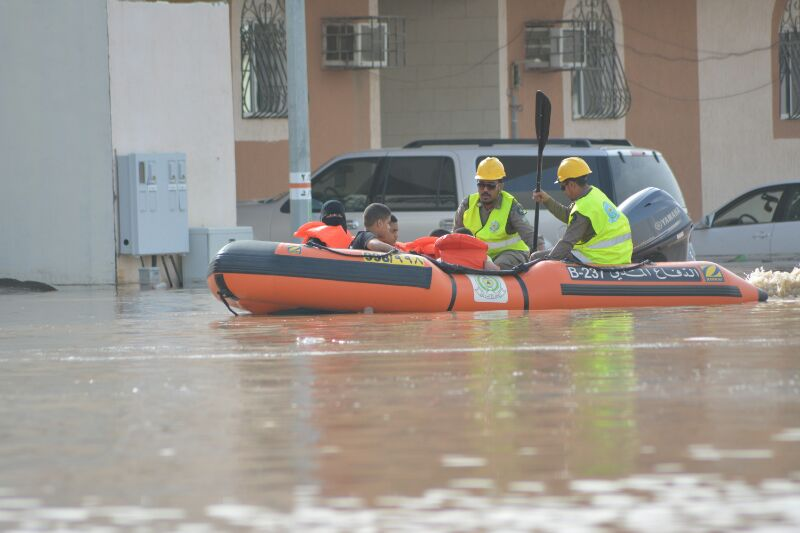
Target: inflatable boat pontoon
[{"x": 269, "y": 277}]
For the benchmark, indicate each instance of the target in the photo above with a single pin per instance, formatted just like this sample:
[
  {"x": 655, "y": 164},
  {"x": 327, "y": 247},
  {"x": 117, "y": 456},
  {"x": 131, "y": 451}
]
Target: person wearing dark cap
[
  {"x": 330, "y": 230},
  {"x": 332, "y": 214}
]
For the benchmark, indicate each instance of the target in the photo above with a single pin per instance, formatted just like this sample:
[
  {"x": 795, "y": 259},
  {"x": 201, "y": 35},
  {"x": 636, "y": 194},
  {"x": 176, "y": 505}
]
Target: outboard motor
[{"x": 660, "y": 227}]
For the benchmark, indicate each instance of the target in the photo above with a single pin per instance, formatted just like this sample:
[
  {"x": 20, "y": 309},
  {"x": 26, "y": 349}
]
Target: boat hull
[{"x": 268, "y": 277}]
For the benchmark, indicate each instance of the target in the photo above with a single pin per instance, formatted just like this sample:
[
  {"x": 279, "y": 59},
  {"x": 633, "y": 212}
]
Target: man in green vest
[
  {"x": 495, "y": 217},
  {"x": 597, "y": 232}
]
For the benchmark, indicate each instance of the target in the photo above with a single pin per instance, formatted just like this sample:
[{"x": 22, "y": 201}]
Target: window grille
[
  {"x": 789, "y": 59},
  {"x": 599, "y": 87},
  {"x": 363, "y": 42},
  {"x": 264, "y": 77}
]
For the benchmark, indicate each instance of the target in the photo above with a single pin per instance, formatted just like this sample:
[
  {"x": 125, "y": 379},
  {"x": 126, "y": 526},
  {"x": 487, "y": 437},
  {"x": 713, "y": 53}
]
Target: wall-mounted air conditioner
[
  {"x": 554, "y": 48},
  {"x": 356, "y": 44}
]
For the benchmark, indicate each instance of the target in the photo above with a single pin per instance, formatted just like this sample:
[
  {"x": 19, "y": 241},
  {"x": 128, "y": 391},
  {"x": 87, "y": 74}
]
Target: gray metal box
[
  {"x": 153, "y": 215},
  {"x": 204, "y": 243}
]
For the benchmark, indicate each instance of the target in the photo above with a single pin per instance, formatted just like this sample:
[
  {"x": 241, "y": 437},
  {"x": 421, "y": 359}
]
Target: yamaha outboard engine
[{"x": 660, "y": 227}]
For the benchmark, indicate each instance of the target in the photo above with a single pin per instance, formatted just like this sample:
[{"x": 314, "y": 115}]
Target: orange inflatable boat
[{"x": 268, "y": 277}]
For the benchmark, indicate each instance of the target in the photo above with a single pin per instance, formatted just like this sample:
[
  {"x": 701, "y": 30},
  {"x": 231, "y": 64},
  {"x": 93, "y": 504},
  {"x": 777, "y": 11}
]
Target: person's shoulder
[
  {"x": 361, "y": 239},
  {"x": 517, "y": 209},
  {"x": 465, "y": 202}
]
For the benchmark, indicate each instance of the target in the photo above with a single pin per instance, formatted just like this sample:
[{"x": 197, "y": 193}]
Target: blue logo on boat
[{"x": 611, "y": 212}]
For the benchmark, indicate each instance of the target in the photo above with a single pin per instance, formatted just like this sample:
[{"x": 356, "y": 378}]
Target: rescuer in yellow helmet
[
  {"x": 495, "y": 217},
  {"x": 597, "y": 232}
]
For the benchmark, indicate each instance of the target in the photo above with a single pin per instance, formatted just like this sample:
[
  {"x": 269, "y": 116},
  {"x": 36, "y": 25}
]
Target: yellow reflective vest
[
  {"x": 493, "y": 232},
  {"x": 611, "y": 244}
]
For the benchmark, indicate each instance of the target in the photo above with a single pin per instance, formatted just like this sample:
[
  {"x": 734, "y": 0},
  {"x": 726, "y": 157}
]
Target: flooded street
[{"x": 158, "y": 410}]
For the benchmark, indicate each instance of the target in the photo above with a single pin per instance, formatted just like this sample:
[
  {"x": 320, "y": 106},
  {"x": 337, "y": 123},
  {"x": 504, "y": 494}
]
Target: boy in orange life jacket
[{"x": 378, "y": 231}]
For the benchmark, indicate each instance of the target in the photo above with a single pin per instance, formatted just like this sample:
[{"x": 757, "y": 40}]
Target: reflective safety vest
[
  {"x": 330, "y": 236},
  {"x": 611, "y": 244},
  {"x": 493, "y": 232},
  {"x": 460, "y": 249}
]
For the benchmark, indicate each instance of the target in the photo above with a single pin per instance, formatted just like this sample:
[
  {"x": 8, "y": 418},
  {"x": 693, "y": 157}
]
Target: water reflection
[{"x": 158, "y": 410}]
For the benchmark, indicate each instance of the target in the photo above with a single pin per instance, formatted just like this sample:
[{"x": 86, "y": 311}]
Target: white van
[{"x": 424, "y": 182}]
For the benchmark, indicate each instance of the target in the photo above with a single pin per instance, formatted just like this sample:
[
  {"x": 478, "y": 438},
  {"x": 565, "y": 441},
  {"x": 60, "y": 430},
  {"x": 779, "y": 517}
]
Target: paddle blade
[{"x": 542, "y": 119}]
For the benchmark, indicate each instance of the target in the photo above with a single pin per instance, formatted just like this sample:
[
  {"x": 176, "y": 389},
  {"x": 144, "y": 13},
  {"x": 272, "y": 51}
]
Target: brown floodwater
[{"x": 158, "y": 410}]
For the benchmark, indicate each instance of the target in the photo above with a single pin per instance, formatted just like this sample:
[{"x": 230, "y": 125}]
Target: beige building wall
[
  {"x": 449, "y": 86},
  {"x": 662, "y": 75},
  {"x": 168, "y": 95},
  {"x": 344, "y": 114},
  {"x": 744, "y": 143}
]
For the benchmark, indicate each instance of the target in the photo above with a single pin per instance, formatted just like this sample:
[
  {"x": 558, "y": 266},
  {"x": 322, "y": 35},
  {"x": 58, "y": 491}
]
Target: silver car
[
  {"x": 423, "y": 182},
  {"x": 758, "y": 228}
]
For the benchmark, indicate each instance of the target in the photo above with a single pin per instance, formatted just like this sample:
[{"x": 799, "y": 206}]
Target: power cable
[
  {"x": 706, "y": 99},
  {"x": 468, "y": 69}
]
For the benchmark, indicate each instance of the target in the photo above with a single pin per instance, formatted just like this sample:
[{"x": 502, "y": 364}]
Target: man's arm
[
  {"x": 575, "y": 232},
  {"x": 518, "y": 223},
  {"x": 377, "y": 245},
  {"x": 561, "y": 212},
  {"x": 458, "y": 219}
]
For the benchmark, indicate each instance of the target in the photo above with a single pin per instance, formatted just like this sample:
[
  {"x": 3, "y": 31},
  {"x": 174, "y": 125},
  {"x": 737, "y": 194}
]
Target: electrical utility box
[
  {"x": 153, "y": 215},
  {"x": 204, "y": 243}
]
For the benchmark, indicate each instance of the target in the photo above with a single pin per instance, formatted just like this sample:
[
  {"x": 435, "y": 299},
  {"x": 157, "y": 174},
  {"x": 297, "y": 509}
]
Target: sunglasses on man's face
[{"x": 487, "y": 185}]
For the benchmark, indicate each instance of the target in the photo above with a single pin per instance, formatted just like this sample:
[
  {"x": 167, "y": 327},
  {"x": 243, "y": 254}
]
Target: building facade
[{"x": 698, "y": 80}]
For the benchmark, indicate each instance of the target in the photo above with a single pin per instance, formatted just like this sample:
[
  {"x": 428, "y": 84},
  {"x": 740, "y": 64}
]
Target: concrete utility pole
[{"x": 299, "y": 160}]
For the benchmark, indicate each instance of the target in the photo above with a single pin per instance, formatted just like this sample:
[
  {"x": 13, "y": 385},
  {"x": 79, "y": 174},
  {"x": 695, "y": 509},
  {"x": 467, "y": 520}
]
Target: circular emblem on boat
[
  {"x": 488, "y": 288},
  {"x": 495, "y": 225}
]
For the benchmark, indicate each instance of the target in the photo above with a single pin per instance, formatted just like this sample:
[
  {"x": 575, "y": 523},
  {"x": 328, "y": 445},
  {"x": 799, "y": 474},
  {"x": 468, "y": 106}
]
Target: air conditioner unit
[
  {"x": 552, "y": 48},
  {"x": 356, "y": 44},
  {"x": 568, "y": 48}
]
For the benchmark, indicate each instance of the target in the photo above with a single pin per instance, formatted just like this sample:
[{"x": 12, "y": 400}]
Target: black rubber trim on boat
[
  {"x": 524, "y": 289},
  {"x": 568, "y": 289},
  {"x": 259, "y": 258},
  {"x": 224, "y": 292},
  {"x": 454, "y": 292},
  {"x": 762, "y": 295}
]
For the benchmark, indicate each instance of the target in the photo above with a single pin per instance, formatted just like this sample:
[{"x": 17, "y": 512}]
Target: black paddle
[{"x": 542, "y": 133}]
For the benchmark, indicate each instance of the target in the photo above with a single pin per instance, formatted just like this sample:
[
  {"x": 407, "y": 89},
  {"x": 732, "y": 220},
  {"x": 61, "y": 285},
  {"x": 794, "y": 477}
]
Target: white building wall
[
  {"x": 736, "y": 132},
  {"x": 56, "y": 204},
  {"x": 171, "y": 92}
]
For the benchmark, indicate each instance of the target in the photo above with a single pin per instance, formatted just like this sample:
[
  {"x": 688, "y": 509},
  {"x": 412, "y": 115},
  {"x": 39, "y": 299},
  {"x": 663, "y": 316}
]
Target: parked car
[
  {"x": 759, "y": 227},
  {"x": 424, "y": 181}
]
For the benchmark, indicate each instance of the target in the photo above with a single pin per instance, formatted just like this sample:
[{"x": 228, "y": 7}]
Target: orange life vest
[
  {"x": 462, "y": 249},
  {"x": 330, "y": 236},
  {"x": 422, "y": 245}
]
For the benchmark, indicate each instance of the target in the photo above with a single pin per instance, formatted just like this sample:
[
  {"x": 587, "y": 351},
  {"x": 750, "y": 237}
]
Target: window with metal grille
[
  {"x": 789, "y": 58},
  {"x": 599, "y": 87},
  {"x": 264, "y": 77}
]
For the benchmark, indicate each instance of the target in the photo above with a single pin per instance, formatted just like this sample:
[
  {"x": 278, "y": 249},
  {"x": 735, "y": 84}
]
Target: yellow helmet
[
  {"x": 490, "y": 169},
  {"x": 572, "y": 167}
]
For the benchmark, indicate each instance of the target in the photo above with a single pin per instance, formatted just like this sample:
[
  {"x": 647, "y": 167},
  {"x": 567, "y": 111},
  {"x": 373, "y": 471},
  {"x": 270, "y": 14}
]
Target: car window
[
  {"x": 792, "y": 206},
  {"x": 632, "y": 173},
  {"x": 757, "y": 207},
  {"x": 521, "y": 177},
  {"x": 420, "y": 184},
  {"x": 350, "y": 181}
]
